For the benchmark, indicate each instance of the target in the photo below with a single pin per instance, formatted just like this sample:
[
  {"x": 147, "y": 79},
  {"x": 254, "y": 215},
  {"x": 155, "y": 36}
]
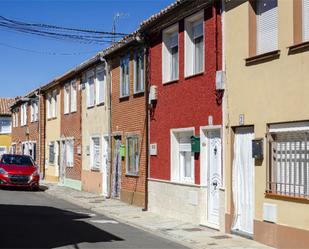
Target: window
[
  {"x": 95, "y": 153},
  {"x": 266, "y": 26},
  {"x": 34, "y": 111},
  {"x": 54, "y": 104},
  {"x": 139, "y": 73},
  {"x": 194, "y": 44},
  {"x": 90, "y": 89},
  {"x": 5, "y": 126},
  {"x": 67, "y": 99},
  {"x": 288, "y": 169},
  {"x": 52, "y": 153},
  {"x": 23, "y": 118},
  {"x": 170, "y": 54},
  {"x": 48, "y": 106},
  {"x": 29, "y": 148},
  {"x": 132, "y": 155},
  {"x": 305, "y": 16},
  {"x": 73, "y": 96},
  {"x": 69, "y": 153},
  {"x": 182, "y": 158},
  {"x": 2, "y": 150},
  {"x": 15, "y": 118},
  {"x": 100, "y": 85},
  {"x": 124, "y": 76}
]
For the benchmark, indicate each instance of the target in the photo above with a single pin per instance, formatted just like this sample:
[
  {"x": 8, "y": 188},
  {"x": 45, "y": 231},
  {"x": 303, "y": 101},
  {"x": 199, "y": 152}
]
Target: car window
[{"x": 17, "y": 160}]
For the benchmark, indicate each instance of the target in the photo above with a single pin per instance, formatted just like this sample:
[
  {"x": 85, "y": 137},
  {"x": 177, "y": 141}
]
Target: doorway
[
  {"x": 117, "y": 167},
  {"x": 105, "y": 171},
  {"x": 62, "y": 164},
  {"x": 243, "y": 181}
]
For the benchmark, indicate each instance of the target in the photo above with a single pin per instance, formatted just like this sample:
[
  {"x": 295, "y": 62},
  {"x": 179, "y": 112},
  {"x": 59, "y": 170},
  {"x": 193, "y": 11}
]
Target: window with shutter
[
  {"x": 194, "y": 44},
  {"x": 124, "y": 76},
  {"x": 170, "y": 57},
  {"x": 67, "y": 99},
  {"x": 90, "y": 88},
  {"x": 132, "y": 155},
  {"x": 305, "y": 15},
  {"x": 73, "y": 96},
  {"x": 95, "y": 153},
  {"x": 288, "y": 171},
  {"x": 54, "y": 104},
  {"x": 69, "y": 153},
  {"x": 267, "y": 26},
  {"x": 100, "y": 85},
  {"x": 52, "y": 153},
  {"x": 139, "y": 71}
]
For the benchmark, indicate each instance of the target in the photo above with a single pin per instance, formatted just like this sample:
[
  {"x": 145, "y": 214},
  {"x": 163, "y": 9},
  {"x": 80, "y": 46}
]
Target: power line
[{"x": 45, "y": 52}]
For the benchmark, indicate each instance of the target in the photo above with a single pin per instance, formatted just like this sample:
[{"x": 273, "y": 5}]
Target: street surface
[{"x": 37, "y": 220}]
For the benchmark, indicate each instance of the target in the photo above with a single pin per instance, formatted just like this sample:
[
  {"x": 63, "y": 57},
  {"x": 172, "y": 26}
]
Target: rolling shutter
[{"x": 267, "y": 26}]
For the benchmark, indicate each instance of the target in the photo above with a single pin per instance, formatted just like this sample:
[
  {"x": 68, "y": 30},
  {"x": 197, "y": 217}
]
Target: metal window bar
[{"x": 289, "y": 162}]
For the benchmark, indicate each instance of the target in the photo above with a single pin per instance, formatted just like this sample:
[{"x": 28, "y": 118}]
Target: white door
[
  {"x": 62, "y": 162},
  {"x": 214, "y": 175},
  {"x": 243, "y": 181},
  {"x": 105, "y": 172}
]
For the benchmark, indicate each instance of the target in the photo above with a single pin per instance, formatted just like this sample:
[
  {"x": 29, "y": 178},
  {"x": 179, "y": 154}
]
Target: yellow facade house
[
  {"x": 266, "y": 116},
  {"x": 5, "y": 125},
  {"x": 95, "y": 128},
  {"x": 52, "y": 132}
]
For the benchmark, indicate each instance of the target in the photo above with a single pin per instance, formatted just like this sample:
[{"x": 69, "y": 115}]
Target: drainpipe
[
  {"x": 42, "y": 166},
  {"x": 109, "y": 117}
]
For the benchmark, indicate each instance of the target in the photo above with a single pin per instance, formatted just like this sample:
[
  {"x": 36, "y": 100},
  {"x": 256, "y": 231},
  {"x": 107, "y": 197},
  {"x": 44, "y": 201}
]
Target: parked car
[{"x": 19, "y": 171}]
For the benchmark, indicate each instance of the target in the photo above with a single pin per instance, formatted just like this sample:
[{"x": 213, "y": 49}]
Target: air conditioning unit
[
  {"x": 153, "y": 94},
  {"x": 220, "y": 80}
]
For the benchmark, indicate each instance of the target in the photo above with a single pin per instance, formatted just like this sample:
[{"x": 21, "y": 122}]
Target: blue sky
[{"x": 23, "y": 71}]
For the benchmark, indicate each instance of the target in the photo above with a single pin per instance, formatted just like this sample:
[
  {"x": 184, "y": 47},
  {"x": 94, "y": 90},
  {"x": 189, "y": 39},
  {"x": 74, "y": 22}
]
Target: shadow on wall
[{"x": 46, "y": 227}]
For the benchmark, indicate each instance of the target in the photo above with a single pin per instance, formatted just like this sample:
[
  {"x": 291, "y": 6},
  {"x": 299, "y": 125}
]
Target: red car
[{"x": 19, "y": 171}]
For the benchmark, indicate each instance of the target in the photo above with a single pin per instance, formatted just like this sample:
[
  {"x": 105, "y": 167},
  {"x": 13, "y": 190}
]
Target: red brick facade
[
  {"x": 71, "y": 128},
  {"x": 31, "y": 132},
  {"x": 129, "y": 117},
  {"x": 186, "y": 102}
]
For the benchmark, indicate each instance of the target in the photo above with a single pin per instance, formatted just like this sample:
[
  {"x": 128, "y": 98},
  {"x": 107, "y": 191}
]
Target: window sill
[
  {"x": 95, "y": 170},
  {"x": 194, "y": 75},
  {"x": 90, "y": 107},
  {"x": 170, "y": 82},
  {"x": 34, "y": 121},
  {"x": 139, "y": 93},
  {"x": 51, "y": 119},
  {"x": 286, "y": 197},
  {"x": 261, "y": 58},
  {"x": 132, "y": 175},
  {"x": 299, "y": 48},
  {"x": 124, "y": 98},
  {"x": 101, "y": 104}
]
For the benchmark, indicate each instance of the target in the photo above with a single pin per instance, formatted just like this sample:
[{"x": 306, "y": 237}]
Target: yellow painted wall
[
  {"x": 94, "y": 123},
  {"x": 269, "y": 92},
  {"x": 6, "y": 140},
  {"x": 52, "y": 135}
]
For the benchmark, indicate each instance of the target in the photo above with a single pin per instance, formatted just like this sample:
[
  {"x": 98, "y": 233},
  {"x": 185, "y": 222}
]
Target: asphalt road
[{"x": 37, "y": 220}]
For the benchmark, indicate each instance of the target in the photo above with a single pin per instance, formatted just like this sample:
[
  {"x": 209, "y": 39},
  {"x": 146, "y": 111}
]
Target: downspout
[
  {"x": 41, "y": 150},
  {"x": 109, "y": 117}
]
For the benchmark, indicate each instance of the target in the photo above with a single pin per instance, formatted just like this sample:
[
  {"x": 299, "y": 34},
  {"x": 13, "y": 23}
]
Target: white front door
[
  {"x": 62, "y": 162},
  {"x": 243, "y": 181},
  {"x": 105, "y": 172},
  {"x": 214, "y": 155}
]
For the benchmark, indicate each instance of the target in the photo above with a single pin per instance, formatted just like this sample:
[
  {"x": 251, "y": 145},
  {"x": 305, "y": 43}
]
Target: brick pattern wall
[
  {"x": 20, "y": 134},
  {"x": 71, "y": 128},
  {"x": 129, "y": 116},
  {"x": 186, "y": 102}
]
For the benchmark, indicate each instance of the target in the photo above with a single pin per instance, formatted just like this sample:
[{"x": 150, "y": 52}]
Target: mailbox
[
  {"x": 257, "y": 149},
  {"x": 122, "y": 150},
  {"x": 195, "y": 144}
]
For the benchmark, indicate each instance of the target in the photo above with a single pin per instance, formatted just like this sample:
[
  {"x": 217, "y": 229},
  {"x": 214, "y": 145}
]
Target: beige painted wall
[
  {"x": 53, "y": 135},
  {"x": 273, "y": 91},
  {"x": 94, "y": 123}
]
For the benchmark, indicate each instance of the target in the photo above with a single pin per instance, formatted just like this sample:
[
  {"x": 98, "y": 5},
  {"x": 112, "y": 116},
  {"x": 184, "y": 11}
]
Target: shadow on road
[
  {"x": 42, "y": 188},
  {"x": 46, "y": 227}
]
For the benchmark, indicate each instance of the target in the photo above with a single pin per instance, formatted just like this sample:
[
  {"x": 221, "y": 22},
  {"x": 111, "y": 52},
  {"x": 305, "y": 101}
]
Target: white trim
[
  {"x": 177, "y": 183},
  {"x": 92, "y": 167}
]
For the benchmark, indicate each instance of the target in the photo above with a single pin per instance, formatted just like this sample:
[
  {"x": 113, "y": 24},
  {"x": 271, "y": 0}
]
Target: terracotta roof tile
[{"x": 5, "y": 104}]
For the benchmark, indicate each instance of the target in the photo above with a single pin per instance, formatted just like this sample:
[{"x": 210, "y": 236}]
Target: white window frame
[
  {"x": 6, "y": 119},
  {"x": 93, "y": 165},
  {"x": 177, "y": 172},
  {"x": 100, "y": 85},
  {"x": 90, "y": 88},
  {"x": 54, "y": 154},
  {"x": 125, "y": 65},
  {"x": 54, "y": 104},
  {"x": 23, "y": 111},
  {"x": 68, "y": 162},
  {"x": 34, "y": 111},
  {"x": 139, "y": 58},
  {"x": 166, "y": 54},
  {"x": 261, "y": 45},
  {"x": 190, "y": 23},
  {"x": 73, "y": 96},
  {"x": 66, "y": 101},
  {"x": 137, "y": 162}
]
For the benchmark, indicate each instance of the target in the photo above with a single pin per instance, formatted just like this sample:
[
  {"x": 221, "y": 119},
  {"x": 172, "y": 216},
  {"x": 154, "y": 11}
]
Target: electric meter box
[
  {"x": 195, "y": 144},
  {"x": 257, "y": 149}
]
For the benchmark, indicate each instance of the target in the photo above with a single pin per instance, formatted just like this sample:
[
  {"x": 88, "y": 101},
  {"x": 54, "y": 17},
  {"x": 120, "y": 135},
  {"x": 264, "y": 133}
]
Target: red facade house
[{"x": 184, "y": 57}]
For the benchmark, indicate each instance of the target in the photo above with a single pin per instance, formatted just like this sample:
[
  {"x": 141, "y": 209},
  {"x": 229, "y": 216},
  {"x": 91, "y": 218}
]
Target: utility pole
[{"x": 116, "y": 18}]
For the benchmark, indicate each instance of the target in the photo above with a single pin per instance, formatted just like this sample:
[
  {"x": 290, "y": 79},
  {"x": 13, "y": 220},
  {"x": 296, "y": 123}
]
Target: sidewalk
[{"x": 192, "y": 236}]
